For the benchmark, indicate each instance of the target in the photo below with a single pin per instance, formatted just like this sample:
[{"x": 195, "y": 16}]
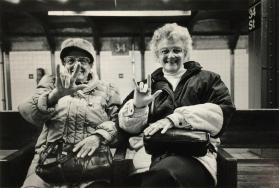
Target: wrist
[
  {"x": 138, "y": 106},
  {"x": 100, "y": 137},
  {"x": 53, "y": 97},
  {"x": 171, "y": 121}
]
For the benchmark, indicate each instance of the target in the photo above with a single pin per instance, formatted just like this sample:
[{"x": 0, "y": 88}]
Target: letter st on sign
[{"x": 254, "y": 16}]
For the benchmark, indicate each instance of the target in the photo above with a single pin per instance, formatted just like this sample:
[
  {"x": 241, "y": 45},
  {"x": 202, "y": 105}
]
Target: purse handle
[{"x": 50, "y": 147}]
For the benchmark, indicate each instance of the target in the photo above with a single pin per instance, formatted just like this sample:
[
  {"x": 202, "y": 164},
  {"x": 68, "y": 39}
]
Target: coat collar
[
  {"x": 190, "y": 66},
  {"x": 91, "y": 86}
]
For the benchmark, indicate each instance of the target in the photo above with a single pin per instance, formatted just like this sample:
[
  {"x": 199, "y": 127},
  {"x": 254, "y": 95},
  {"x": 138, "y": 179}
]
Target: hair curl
[{"x": 171, "y": 31}]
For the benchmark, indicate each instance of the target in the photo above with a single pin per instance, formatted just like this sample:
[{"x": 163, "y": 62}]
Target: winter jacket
[
  {"x": 201, "y": 101},
  {"x": 92, "y": 110}
]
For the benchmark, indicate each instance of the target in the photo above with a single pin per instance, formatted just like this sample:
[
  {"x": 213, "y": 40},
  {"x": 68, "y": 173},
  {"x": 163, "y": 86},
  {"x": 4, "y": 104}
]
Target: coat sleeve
[
  {"x": 213, "y": 115},
  {"x": 206, "y": 117},
  {"x": 108, "y": 129},
  {"x": 35, "y": 109},
  {"x": 133, "y": 120},
  {"x": 218, "y": 93}
]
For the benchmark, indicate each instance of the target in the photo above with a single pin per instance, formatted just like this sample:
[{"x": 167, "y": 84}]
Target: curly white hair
[{"x": 171, "y": 31}]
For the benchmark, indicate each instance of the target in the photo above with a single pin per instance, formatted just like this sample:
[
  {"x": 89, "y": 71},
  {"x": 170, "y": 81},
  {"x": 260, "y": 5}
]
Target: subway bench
[
  {"x": 253, "y": 139},
  {"x": 256, "y": 131},
  {"x": 17, "y": 141}
]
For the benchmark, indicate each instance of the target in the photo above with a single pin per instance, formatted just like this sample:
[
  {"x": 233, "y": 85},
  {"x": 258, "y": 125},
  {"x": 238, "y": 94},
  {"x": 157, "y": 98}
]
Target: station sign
[
  {"x": 254, "y": 16},
  {"x": 120, "y": 46}
]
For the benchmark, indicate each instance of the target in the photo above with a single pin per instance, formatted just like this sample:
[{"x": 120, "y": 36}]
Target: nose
[
  {"x": 78, "y": 62},
  {"x": 171, "y": 54}
]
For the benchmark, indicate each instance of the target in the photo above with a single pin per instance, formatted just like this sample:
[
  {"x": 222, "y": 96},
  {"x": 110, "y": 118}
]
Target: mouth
[{"x": 171, "y": 62}]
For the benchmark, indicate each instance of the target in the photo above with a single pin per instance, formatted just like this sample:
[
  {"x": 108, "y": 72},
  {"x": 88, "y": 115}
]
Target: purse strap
[
  {"x": 56, "y": 145},
  {"x": 50, "y": 148},
  {"x": 65, "y": 132},
  {"x": 66, "y": 125}
]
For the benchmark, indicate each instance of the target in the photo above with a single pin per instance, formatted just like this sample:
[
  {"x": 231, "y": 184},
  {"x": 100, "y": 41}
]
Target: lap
[
  {"x": 34, "y": 181},
  {"x": 186, "y": 170},
  {"x": 175, "y": 171}
]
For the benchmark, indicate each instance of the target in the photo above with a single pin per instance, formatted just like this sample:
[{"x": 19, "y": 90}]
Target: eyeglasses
[
  {"x": 71, "y": 60},
  {"x": 174, "y": 50}
]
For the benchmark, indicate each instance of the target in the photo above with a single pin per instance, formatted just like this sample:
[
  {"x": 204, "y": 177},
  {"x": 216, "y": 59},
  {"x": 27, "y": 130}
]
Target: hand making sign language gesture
[
  {"x": 209, "y": 108},
  {"x": 142, "y": 93},
  {"x": 65, "y": 84},
  {"x": 142, "y": 97},
  {"x": 63, "y": 108}
]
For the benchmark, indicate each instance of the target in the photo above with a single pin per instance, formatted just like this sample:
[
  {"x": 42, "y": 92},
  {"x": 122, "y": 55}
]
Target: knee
[{"x": 34, "y": 181}]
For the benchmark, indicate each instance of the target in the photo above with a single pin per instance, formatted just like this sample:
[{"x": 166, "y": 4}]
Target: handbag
[
  {"x": 178, "y": 141},
  {"x": 58, "y": 164}
]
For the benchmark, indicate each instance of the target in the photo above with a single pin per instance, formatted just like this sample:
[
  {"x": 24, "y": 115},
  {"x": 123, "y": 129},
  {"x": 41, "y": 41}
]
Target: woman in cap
[{"x": 76, "y": 107}]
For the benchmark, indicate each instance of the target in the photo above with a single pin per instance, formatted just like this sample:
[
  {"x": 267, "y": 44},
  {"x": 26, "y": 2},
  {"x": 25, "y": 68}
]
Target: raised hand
[
  {"x": 65, "y": 84},
  {"x": 142, "y": 93}
]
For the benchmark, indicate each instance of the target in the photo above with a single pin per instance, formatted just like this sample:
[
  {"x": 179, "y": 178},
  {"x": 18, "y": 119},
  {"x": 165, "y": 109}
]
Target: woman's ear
[
  {"x": 186, "y": 56},
  {"x": 90, "y": 75}
]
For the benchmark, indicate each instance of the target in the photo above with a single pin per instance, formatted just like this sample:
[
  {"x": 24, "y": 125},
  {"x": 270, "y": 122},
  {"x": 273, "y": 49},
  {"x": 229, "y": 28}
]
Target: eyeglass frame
[
  {"x": 170, "y": 50},
  {"x": 77, "y": 59}
]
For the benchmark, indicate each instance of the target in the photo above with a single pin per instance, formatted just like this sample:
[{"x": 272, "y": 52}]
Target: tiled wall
[
  {"x": 241, "y": 79},
  {"x": 150, "y": 63},
  {"x": 23, "y": 65},
  {"x": 219, "y": 61},
  {"x": 216, "y": 61},
  {"x": 113, "y": 67}
]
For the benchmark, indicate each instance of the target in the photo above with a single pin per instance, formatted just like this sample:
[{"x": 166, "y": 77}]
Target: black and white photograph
[{"x": 139, "y": 93}]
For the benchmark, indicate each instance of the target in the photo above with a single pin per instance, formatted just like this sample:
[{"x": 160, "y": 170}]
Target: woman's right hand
[
  {"x": 142, "y": 93},
  {"x": 65, "y": 85}
]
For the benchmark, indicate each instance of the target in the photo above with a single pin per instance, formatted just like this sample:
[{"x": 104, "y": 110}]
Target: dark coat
[{"x": 196, "y": 86}]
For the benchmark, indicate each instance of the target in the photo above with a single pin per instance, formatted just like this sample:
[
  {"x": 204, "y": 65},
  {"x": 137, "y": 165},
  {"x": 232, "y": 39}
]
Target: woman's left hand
[
  {"x": 87, "y": 146},
  {"x": 163, "y": 124}
]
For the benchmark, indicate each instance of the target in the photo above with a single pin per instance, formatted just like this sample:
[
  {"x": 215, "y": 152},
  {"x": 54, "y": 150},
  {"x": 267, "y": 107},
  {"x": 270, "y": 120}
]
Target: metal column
[
  {"x": 7, "y": 75},
  {"x": 232, "y": 68},
  {"x": 270, "y": 57},
  {"x": 3, "y": 80}
]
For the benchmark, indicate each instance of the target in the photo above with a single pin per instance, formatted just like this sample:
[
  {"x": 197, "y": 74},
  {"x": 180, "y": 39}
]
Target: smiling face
[
  {"x": 171, "y": 55},
  {"x": 72, "y": 57}
]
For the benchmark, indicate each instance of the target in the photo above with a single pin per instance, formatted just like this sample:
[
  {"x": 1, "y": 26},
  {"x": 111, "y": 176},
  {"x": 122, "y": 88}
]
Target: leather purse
[
  {"x": 178, "y": 141},
  {"x": 58, "y": 164}
]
